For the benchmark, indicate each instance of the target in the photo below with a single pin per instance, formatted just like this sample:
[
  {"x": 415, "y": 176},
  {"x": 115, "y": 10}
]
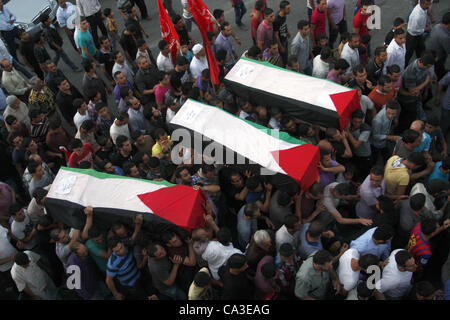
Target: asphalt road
[{"x": 390, "y": 9}]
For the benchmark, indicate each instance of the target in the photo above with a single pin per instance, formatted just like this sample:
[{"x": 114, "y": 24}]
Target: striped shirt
[
  {"x": 418, "y": 247},
  {"x": 124, "y": 267}
]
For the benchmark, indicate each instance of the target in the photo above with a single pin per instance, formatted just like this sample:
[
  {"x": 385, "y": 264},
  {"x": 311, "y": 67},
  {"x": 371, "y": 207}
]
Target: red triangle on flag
[
  {"x": 345, "y": 103},
  {"x": 300, "y": 163},
  {"x": 179, "y": 204}
]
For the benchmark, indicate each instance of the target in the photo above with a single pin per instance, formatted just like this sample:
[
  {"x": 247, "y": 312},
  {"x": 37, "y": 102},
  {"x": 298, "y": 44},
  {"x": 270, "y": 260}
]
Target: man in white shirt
[
  {"x": 286, "y": 233},
  {"x": 81, "y": 114},
  {"x": 218, "y": 252},
  {"x": 63, "y": 242},
  {"x": 65, "y": 15},
  {"x": 395, "y": 282},
  {"x": 22, "y": 228},
  {"x": 120, "y": 127},
  {"x": 350, "y": 52},
  {"x": 164, "y": 60},
  {"x": 321, "y": 67},
  {"x": 350, "y": 265},
  {"x": 29, "y": 275},
  {"x": 121, "y": 65},
  {"x": 417, "y": 26},
  {"x": 7, "y": 251},
  {"x": 199, "y": 62},
  {"x": 396, "y": 51}
]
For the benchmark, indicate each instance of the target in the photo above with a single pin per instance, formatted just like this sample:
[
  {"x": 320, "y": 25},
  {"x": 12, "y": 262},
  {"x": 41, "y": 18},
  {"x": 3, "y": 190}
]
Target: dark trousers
[
  {"x": 407, "y": 115},
  {"x": 142, "y": 7},
  {"x": 168, "y": 5},
  {"x": 10, "y": 37},
  {"x": 239, "y": 12},
  {"x": 342, "y": 28},
  {"x": 136, "y": 292},
  {"x": 71, "y": 39},
  {"x": 414, "y": 44},
  {"x": 96, "y": 21},
  {"x": 380, "y": 156},
  {"x": 363, "y": 165},
  {"x": 310, "y": 11}
]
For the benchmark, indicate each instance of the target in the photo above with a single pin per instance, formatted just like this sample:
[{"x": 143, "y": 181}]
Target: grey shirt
[
  {"x": 381, "y": 128},
  {"x": 160, "y": 270},
  {"x": 310, "y": 283},
  {"x": 304, "y": 247},
  {"x": 277, "y": 213},
  {"x": 301, "y": 48},
  {"x": 440, "y": 41},
  {"x": 412, "y": 77},
  {"x": 407, "y": 218},
  {"x": 362, "y": 134},
  {"x": 245, "y": 228}
]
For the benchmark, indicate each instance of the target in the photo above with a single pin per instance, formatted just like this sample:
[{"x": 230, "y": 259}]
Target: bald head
[
  {"x": 325, "y": 145},
  {"x": 418, "y": 125}
]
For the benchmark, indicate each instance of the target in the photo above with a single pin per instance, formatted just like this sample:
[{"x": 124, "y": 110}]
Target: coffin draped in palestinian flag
[
  {"x": 314, "y": 100},
  {"x": 117, "y": 198},
  {"x": 273, "y": 150}
]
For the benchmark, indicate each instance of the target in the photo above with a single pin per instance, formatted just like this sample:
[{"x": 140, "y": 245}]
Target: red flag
[
  {"x": 202, "y": 17},
  {"x": 168, "y": 32}
]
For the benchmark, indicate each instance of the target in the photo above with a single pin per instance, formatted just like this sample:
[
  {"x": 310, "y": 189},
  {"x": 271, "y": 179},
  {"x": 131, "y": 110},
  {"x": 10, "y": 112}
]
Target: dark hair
[
  {"x": 224, "y": 236},
  {"x": 267, "y": 12},
  {"x": 409, "y": 136},
  {"x": 398, "y": 21},
  {"x": 39, "y": 193},
  {"x": 127, "y": 166},
  {"x": 386, "y": 204},
  {"x": 399, "y": 31},
  {"x": 383, "y": 80},
  {"x": 363, "y": 291},
  {"x": 252, "y": 183},
  {"x": 343, "y": 189},
  {"x": 113, "y": 242},
  {"x": 316, "y": 228},
  {"x": 122, "y": 116},
  {"x": 32, "y": 166},
  {"x": 202, "y": 279},
  {"x": 34, "y": 112},
  {"x": 358, "y": 113},
  {"x": 88, "y": 124},
  {"x": 316, "y": 189},
  {"x": 290, "y": 220},
  {"x": 341, "y": 64},
  {"x": 286, "y": 250},
  {"x": 87, "y": 65},
  {"x": 151, "y": 249},
  {"x": 94, "y": 231},
  {"x": 162, "y": 44},
  {"x": 284, "y": 4},
  {"x": 159, "y": 132},
  {"x": 424, "y": 288},
  {"x": 223, "y": 25},
  {"x": 301, "y": 24},
  {"x": 377, "y": 170},
  {"x": 393, "y": 105},
  {"x": 237, "y": 261},
  {"x": 14, "y": 208},
  {"x": 268, "y": 270},
  {"x": 379, "y": 50},
  {"x": 322, "y": 257},
  {"x": 153, "y": 162},
  {"x": 417, "y": 201},
  {"x": 176, "y": 18},
  {"x": 179, "y": 170},
  {"x": 303, "y": 128},
  {"x": 366, "y": 2},
  {"x": 416, "y": 158},
  {"x": 446, "y": 18},
  {"x": 358, "y": 69},
  {"x": 254, "y": 51},
  {"x": 291, "y": 60},
  {"x": 120, "y": 140},
  {"x": 428, "y": 226},
  {"x": 427, "y": 59},
  {"x": 221, "y": 54},
  {"x": 383, "y": 233},
  {"x": 75, "y": 143},
  {"x": 217, "y": 13},
  {"x": 107, "y": 12},
  {"x": 10, "y": 119},
  {"x": 21, "y": 259},
  {"x": 368, "y": 260},
  {"x": 283, "y": 198},
  {"x": 402, "y": 257},
  {"x": 84, "y": 165},
  {"x": 181, "y": 61},
  {"x": 100, "y": 106},
  {"x": 325, "y": 53}
]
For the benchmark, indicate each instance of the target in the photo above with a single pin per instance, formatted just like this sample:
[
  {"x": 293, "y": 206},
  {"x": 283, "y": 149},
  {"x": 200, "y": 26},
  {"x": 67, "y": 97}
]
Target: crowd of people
[{"x": 380, "y": 204}]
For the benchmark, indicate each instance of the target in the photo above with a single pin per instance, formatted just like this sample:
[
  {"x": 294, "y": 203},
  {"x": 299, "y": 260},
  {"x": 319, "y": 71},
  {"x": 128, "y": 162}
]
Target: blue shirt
[
  {"x": 85, "y": 40},
  {"x": 365, "y": 245},
  {"x": 381, "y": 127},
  {"x": 5, "y": 16},
  {"x": 3, "y": 104},
  {"x": 305, "y": 247},
  {"x": 124, "y": 268},
  {"x": 245, "y": 228},
  {"x": 63, "y": 15},
  {"x": 437, "y": 173},
  {"x": 224, "y": 43},
  {"x": 425, "y": 144}
]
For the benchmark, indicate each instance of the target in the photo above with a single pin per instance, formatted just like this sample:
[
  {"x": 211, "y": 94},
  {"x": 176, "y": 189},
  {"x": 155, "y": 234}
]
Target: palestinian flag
[
  {"x": 275, "y": 151},
  {"x": 117, "y": 198},
  {"x": 314, "y": 100}
]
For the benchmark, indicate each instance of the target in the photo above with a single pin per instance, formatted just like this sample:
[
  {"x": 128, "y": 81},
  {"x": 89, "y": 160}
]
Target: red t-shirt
[
  {"x": 379, "y": 99},
  {"x": 255, "y": 23},
  {"x": 88, "y": 154},
  {"x": 319, "y": 19},
  {"x": 360, "y": 22}
]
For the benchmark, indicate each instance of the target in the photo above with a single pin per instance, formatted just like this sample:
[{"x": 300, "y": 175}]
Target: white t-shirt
[
  {"x": 347, "y": 276},
  {"x": 366, "y": 104},
  {"x": 164, "y": 63},
  {"x": 320, "y": 68},
  {"x": 18, "y": 230},
  {"x": 274, "y": 124},
  {"x": 78, "y": 119},
  {"x": 63, "y": 251},
  {"x": 351, "y": 56},
  {"x": 283, "y": 236},
  {"x": 6, "y": 249},
  {"x": 216, "y": 254},
  {"x": 115, "y": 131},
  {"x": 394, "y": 283},
  {"x": 33, "y": 277},
  {"x": 197, "y": 66}
]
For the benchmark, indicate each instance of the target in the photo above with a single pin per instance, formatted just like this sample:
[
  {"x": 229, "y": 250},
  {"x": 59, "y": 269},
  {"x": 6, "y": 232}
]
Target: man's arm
[
  {"x": 330, "y": 19},
  {"x": 190, "y": 260},
  {"x": 112, "y": 287},
  {"x": 341, "y": 220},
  {"x": 336, "y": 169},
  {"x": 137, "y": 227},
  {"x": 176, "y": 260},
  {"x": 30, "y": 293},
  {"x": 89, "y": 213}
]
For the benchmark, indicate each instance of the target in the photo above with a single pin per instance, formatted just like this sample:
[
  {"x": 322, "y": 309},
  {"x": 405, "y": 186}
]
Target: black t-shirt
[
  {"x": 27, "y": 50},
  {"x": 389, "y": 37},
  {"x": 129, "y": 44},
  {"x": 118, "y": 159},
  {"x": 280, "y": 26},
  {"x": 106, "y": 58},
  {"x": 130, "y": 21},
  {"x": 235, "y": 287},
  {"x": 183, "y": 35},
  {"x": 41, "y": 54},
  {"x": 52, "y": 35},
  {"x": 365, "y": 90},
  {"x": 374, "y": 71}
]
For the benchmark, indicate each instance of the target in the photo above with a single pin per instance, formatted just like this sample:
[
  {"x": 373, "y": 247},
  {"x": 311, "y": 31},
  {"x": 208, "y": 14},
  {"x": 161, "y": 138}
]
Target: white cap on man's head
[{"x": 197, "y": 48}]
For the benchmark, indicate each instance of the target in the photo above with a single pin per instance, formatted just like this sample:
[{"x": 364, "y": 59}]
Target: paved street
[{"x": 390, "y": 9}]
